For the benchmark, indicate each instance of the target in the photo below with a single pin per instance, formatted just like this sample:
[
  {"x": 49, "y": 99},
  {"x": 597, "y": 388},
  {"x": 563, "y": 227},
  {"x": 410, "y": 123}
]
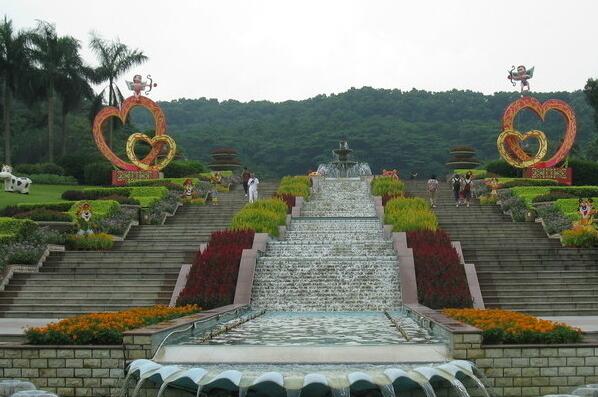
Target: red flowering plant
[
  {"x": 213, "y": 276},
  {"x": 289, "y": 199},
  {"x": 441, "y": 280}
]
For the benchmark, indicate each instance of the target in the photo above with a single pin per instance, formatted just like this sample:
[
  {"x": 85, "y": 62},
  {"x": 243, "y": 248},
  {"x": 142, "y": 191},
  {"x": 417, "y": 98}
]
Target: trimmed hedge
[
  {"x": 51, "y": 179},
  {"x": 89, "y": 242},
  {"x": 295, "y": 185},
  {"x": 501, "y": 167},
  {"x": 409, "y": 214},
  {"x": 183, "y": 168},
  {"x": 39, "y": 168},
  {"x": 42, "y": 214},
  {"x": 387, "y": 185},
  {"x": 570, "y": 207},
  {"x": 263, "y": 216}
]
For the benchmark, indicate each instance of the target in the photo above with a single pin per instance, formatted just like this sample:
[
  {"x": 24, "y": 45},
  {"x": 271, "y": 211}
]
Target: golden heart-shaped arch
[
  {"x": 511, "y": 135},
  {"x": 154, "y": 142}
]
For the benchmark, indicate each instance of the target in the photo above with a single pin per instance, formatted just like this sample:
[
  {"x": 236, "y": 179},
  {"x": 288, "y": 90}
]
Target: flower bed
[
  {"x": 89, "y": 242},
  {"x": 262, "y": 216},
  {"x": 580, "y": 237},
  {"x": 504, "y": 326},
  {"x": 213, "y": 276},
  {"x": 383, "y": 185},
  {"x": 28, "y": 248},
  {"x": 103, "y": 328},
  {"x": 441, "y": 280},
  {"x": 409, "y": 214},
  {"x": 554, "y": 220},
  {"x": 295, "y": 185},
  {"x": 12, "y": 229}
]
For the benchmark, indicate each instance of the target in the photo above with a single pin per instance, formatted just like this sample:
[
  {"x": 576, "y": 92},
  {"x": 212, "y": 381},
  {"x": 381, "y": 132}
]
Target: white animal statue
[{"x": 13, "y": 183}]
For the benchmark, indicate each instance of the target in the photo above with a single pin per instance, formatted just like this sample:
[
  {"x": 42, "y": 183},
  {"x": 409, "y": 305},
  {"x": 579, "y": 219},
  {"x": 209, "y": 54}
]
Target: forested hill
[{"x": 388, "y": 128}]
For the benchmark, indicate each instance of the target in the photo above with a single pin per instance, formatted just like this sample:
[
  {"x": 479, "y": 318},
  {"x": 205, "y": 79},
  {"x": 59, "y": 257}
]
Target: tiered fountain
[
  {"x": 325, "y": 318},
  {"x": 341, "y": 166}
]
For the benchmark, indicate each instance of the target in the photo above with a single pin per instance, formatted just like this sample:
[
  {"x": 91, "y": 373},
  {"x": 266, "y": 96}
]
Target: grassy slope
[{"x": 37, "y": 194}]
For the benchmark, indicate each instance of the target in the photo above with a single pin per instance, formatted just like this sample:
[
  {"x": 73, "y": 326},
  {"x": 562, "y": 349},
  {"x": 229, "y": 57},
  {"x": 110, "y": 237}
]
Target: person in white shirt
[
  {"x": 252, "y": 188},
  {"x": 432, "y": 190}
]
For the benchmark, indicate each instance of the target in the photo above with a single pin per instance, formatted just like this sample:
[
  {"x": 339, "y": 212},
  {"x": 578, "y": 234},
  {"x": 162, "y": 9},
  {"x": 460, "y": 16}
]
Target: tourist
[
  {"x": 215, "y": 180},
  {"x": 456, "y": 185},
  {"x": 466, "y": 186},
  {"x": 252, "y": 188},
  {"x": 433, "y": 190},
  {"x": 245, "y": 178}
]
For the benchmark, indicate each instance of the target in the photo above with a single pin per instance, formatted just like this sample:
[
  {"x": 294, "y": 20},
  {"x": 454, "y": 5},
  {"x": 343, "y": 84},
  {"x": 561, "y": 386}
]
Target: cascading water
[{"x": 331, "y": 284}]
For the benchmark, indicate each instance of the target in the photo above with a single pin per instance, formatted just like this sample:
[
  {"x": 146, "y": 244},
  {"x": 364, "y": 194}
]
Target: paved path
[
  {"x": 585, "y": 323},
  {"x": 16, "y": 326}
]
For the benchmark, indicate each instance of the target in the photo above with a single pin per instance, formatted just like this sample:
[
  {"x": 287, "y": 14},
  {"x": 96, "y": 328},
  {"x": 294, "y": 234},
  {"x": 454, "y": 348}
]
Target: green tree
[
  {"x": 14, "y": 61},
  {"x": 53, "y": 56},
  {"x": 115, "y": 59}
]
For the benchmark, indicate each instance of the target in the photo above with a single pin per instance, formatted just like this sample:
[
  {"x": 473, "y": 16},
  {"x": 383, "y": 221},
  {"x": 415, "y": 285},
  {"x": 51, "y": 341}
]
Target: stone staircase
[
  {"x": 334, "y": 256},
  {"x": 140, "y": 271},
  {"x": 518, "y": 266}
]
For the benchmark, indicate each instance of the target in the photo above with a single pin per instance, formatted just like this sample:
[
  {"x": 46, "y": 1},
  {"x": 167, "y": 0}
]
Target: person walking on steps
[
  {"x": 433, "y": 190},
  {"x": 466, "y": 187},
  {"x": 245, "y": 177},
  {"x": 456, "y": 186},
  {"x": 252, "y": 188}
]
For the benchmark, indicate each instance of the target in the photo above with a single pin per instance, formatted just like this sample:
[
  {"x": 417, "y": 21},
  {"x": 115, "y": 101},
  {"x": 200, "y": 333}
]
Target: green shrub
[
  {"x": 183, "y": 168},
  {"x": 51, "y": 179},
  {"x": 40, "y": 168},
  {"x": 552, "y": 196},
  {"x": 411, "y": 220},
  {"x": 501, "y": 167},
  {"x": 54, "y": 206},
  {"x": 263, "y": 216},
  {"x": 74, "y": 164},
  {"x": 581, "y": 237},
  {"x": 387, "y": 185},
  {"x": 488, "y": 199},
  {"x": 517, "y": 207},
  {"x": 577, "y": 191},
  {"x": 16, "y": 228},
  {"x": 295, "y": 186},
  {"x": 169, "y": 183},
  {"x": 97, "y": 192},
  {"x": 528, "y": 182},
  {"x": 43, "y": 214},
  {"x": 98, "y": 173},
  {"x": 401, "y": 203},
  {"x": 585, "y": 172},
  {"x": 148, "y": 191},
  {"x": 89, "y": 242}
]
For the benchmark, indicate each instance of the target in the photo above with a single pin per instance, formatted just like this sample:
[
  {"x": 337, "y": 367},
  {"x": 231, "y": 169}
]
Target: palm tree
[
  {"x": 14, "y": 62},
  {"x": 53, "y": 56},
  {"x": 115, "y": 58}
]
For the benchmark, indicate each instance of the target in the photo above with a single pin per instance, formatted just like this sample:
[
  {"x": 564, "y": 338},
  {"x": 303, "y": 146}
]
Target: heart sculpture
[
  {"x": 540, "y": 109},
  {"x": 122, "y": 114},
  {"x": 153, "y": 142},
  {"x": 519, "y": 137}
]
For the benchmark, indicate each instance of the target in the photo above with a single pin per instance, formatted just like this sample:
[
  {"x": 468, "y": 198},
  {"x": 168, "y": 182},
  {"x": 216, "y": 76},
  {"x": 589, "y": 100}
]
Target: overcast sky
[{"x": 278, "y": 49}]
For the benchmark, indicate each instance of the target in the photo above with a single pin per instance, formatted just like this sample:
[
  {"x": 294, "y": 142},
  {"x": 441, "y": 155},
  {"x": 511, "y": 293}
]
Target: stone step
[
  {"x": 89, "y": 283},
  {"x": 547, "y": 299},
  {"x": 30, "y": 293},
  {"x": 52, "y": 277},
  {"x": 83, "y": 301},
  {"x": 81, "y": 308}
]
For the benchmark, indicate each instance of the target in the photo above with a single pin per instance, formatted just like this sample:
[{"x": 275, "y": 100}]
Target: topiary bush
[
  {"x": 43, "y": 214},
  {"x": 387, "y": 185},
  {"x": 183, "y": 168},
  {"x": 98, "y": 173},
  {"x": 295, "y": 186},
  {"x": 501, "y": 168},
  {"x": 51, "y": 179},
  {"x": 585, "y": 172},
  {"x": 263, "y": 216},
  {"x": 39, "y": 168},
  {"x": 409, "y": 214}
]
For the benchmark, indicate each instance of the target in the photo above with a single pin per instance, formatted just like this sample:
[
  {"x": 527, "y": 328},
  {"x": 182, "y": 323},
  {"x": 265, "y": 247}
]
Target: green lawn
[{"x": 37, "y": 194}]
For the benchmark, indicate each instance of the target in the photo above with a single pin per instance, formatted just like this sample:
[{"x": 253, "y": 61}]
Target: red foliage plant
[
  {"x": 441, "y": 280},
  {"x": 289, "y": 199},
  {"x": 213, "y": 276}
]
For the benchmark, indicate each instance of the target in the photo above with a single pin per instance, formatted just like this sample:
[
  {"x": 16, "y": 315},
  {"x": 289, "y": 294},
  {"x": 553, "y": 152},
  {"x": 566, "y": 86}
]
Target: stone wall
[
  {"x": 66, "y": 370},
  {"x": 515, "y": 370},
  {"x": 530, "y": 370}
]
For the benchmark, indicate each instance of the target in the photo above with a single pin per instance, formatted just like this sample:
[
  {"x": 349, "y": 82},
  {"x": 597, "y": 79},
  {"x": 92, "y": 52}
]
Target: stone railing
[{"x": 247, "y": 269}]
